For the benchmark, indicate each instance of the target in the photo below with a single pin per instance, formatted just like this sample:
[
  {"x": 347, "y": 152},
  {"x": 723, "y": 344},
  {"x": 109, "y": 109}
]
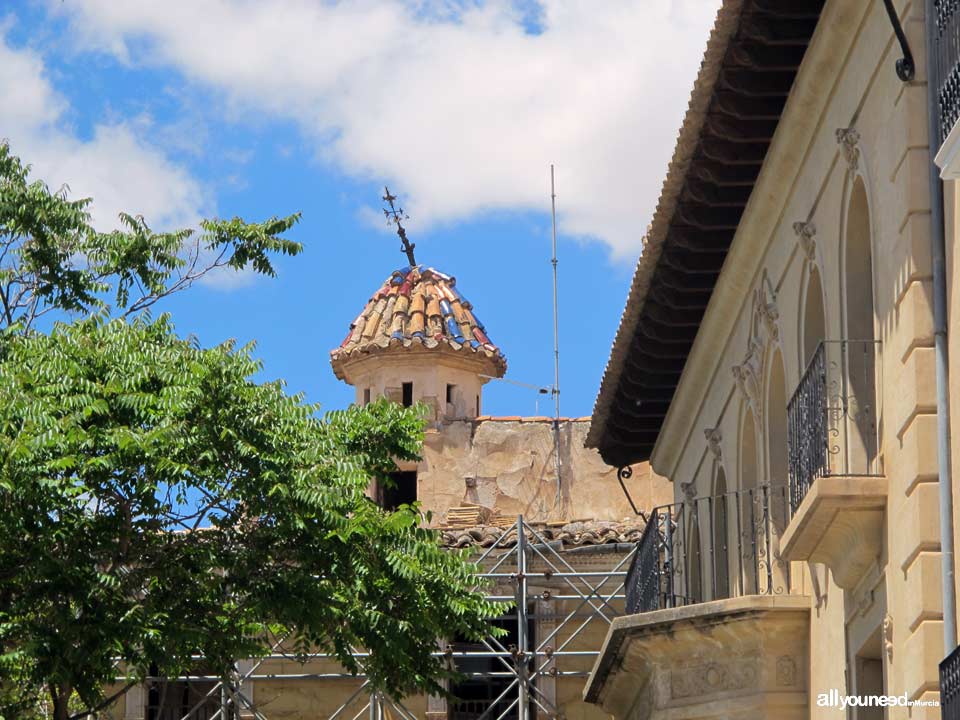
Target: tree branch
[{"x": 105, "y": 703}]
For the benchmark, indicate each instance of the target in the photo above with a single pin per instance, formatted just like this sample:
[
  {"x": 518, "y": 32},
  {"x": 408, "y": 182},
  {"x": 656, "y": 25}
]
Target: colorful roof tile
[{"x": 418, "y": 307}]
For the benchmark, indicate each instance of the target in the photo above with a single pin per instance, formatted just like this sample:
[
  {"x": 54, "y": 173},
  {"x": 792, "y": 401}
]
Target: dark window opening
[
  {"x": 476, "y": 696},
  {"x": 450, "y": 389},
  {"x": 174, "y": 699},
  {"x": 366, "y": 396},
  {"x": 478, "y": 405},
  {"x": 401, "y": 489},
  {"x": 407, "y": 397}
]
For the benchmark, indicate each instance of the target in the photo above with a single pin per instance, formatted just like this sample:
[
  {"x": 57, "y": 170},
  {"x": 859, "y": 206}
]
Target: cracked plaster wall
[{"x": 509, "y": 467}]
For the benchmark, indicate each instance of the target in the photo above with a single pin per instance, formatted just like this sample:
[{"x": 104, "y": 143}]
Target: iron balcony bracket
[
  {"x": 625, "y": 472},
  {"x": 905, "y": 65}
]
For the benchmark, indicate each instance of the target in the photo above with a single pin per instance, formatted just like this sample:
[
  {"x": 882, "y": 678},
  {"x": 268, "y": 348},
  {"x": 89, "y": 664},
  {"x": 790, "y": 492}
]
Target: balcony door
[
  {"x": 750, "y": 517},
  {"x": 721, "y": 537},
  {"x": 859, "y": 395}
]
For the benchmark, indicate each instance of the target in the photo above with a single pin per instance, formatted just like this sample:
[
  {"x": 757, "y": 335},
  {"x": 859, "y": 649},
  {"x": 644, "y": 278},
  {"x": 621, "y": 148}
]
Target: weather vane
[{"x": 394, "y": 215}]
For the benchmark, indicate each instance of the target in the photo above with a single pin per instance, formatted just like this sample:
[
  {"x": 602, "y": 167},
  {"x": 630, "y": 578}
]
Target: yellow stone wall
[{"x": 847, "y": 81}]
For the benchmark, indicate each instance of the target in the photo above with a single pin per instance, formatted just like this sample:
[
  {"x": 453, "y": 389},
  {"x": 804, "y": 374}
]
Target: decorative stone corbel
[
  {"x": 888, "y": 637},
  {"x": 714, "y": 438},
  {"x": 765, "y": 304},
  {"x": 805, "y": 231},
  {"x": 764, "y": 330},
  {"x": 689, "y": 490},
  {"x": 849, "y": 140},
  {"x": 748, "y": 375}
]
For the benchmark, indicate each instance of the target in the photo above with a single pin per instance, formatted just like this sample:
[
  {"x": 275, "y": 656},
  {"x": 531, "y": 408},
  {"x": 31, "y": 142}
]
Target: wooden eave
[{"x": 748, "y": 71}]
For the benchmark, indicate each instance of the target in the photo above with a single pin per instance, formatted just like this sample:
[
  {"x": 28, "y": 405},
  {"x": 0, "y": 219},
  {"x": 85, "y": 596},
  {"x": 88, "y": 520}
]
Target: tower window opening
[
  {"x": 407, "y": 397},
  {"x": 478, "y": 405},
  {"x": 400, "y": 490},
  {"x": 476, "y": 697},
  {"x": 450, "y": 389},
  {"x": 366, "y": 396}
]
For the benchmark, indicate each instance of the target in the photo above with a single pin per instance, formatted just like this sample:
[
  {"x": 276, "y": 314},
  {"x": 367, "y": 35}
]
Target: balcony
[
  {"x": 837, "y": 487},
  {"x": 950, "y": 686},
  {"x": 715, "y": 628},
  {"x": 945, "y": 73},
  {"x": 710, "y": 548}
]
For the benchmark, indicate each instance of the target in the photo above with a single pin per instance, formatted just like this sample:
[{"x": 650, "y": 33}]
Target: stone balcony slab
[
  {"x": 840, "y": 524},
  {"x": 745, "y": 657}
]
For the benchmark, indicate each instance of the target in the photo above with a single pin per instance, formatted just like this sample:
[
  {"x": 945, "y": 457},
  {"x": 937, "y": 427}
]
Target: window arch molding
[
  {"x": 748, "y": 457},
  {"x": 813, "y": 323},
  {"x": 856, "y": 242},
  {"x": 720, "y": 527}
]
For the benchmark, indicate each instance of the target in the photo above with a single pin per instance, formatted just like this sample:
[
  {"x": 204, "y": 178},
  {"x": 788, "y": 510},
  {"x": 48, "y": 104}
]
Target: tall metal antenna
[
  {"x": 555, "y": 390},
  {"x": 394, "y": 215},
  {"x": 556, "y": 330}
]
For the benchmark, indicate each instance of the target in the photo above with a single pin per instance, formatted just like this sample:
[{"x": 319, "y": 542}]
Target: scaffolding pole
[{"x": 521, "y": 544}]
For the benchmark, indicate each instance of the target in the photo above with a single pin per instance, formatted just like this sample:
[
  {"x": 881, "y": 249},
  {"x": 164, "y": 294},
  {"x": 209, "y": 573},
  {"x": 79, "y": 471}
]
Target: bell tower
[{"x": 419, "y": 340}]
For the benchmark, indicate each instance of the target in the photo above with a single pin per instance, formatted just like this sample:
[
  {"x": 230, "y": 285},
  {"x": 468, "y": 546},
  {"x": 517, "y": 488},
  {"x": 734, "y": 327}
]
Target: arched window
[
  {"x": 694, "y": 592},
  {"x": 775, "y": 409},
  {"x": 807, "y": 411},
  {"x": 860, "y": 355},
  {"x": 814, "y": 320},
  {"x": 749, "y": 521},
  {"x": 721, "y": 537}
]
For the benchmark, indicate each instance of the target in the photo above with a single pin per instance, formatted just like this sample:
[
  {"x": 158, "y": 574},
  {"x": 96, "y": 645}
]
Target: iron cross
[{"x": 394, "y": 215}]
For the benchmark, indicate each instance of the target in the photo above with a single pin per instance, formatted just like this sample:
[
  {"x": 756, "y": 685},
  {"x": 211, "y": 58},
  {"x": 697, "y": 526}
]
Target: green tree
[
  {"x": 51, "y": 258},
  {"x": 157, "y": 503}
]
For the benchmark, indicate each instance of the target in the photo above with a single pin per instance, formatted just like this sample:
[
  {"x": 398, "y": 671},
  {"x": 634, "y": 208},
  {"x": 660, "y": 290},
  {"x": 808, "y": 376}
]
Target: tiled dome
[{"x": 418, "y": 307}]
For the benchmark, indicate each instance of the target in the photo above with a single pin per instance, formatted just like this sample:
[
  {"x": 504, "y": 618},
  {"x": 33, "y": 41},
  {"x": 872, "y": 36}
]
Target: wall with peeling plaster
[{"x": 508, "y": 465}]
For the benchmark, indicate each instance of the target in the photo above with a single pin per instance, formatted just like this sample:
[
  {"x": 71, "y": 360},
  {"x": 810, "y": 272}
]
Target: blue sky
[{"x": 185, "y": 110}]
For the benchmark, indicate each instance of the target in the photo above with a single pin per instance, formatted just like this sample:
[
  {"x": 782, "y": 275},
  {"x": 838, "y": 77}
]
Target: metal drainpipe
[{"x": 938, "y": 257}]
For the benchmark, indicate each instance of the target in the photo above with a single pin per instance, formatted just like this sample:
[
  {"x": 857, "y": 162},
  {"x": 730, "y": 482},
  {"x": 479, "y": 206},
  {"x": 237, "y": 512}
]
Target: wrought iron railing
[
  {"x": 945, "y": 66},
  {"x": 643, "y": 577},
  {"x": 950, "y": 686},
  {"x": 833, "y": 418},
  {"x": 476, "y": 709},
  {"x": 710, "y": 548},
  {"x": 176, "y": 712}
]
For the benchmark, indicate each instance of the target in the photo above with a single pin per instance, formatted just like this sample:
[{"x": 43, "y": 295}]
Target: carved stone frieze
[
  {"x": 713, "y": 677},
  {"x": 786, "y": 671}
]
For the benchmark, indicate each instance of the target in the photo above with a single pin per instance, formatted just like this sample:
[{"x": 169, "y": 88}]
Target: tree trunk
[{"x": 61, "y": 701}]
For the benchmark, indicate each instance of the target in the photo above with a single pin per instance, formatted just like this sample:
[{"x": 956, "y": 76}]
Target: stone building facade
[
  {"x": 788, "y": 275},
  {"x": 418, "y": 340}
]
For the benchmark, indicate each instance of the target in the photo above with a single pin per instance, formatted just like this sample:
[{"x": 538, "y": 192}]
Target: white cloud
[
  {"x": 453, "y": 103},
  {"x": 115, "y": 166}
]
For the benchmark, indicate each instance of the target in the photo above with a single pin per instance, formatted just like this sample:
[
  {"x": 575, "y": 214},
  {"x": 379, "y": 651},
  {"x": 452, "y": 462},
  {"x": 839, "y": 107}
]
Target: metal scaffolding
[{"x": 522, "y": 560}]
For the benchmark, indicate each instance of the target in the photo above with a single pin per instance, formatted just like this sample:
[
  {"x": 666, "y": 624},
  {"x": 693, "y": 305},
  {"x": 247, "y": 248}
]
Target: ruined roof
[
  {"x": 578, "y": 533},
  {"x": 748, "y": 69},
  {"x": 418, "y": 308}
]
